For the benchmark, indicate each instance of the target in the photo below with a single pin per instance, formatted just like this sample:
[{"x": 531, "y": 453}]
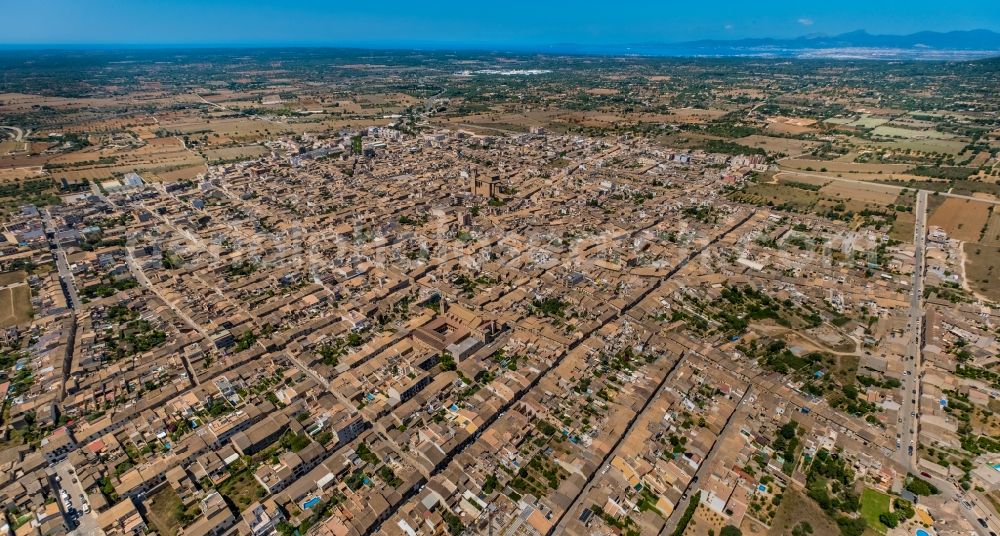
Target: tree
[
  {"x": 730, "y": 530},
  {"x": 889, "y": 519},
  {"x": 919, "y": 486}
]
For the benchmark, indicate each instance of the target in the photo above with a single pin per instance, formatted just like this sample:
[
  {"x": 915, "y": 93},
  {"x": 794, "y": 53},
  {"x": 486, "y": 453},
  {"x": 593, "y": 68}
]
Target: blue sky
[{"x": 470, "y": 22}]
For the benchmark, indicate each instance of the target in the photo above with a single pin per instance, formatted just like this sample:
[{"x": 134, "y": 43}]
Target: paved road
[
  {"x": 16, "y": 132},
  {"x": 65, "y": 274},
  {"x": 907, "y": 429}
]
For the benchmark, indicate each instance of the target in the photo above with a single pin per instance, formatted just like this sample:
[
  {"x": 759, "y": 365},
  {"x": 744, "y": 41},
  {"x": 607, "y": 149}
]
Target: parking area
[{"x": 73, "y": 500}]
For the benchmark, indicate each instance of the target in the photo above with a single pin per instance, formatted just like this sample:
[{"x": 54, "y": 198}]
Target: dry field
[
  {"x": 15, "y": 300},
  {"x": 159, "y": 155},
  {"x": 179, "y": 174},
  {"x": 788, "y": 128},
  {"x": 795, "y": 508},
  {"x": 784, "y": 177},
  {"x": 902, "y": 227},
  {"x": 20, "y": 102},
  {"x": 20, "y": 174},
  {"x": 228, "y": 128},
  {"x": 897, "y": 132},
  {"x": 980, "y": 259},
  {"x": 923, "y": 146},
  {"x": 868, "y": 193},
  {"x": 962, "y": 219},
  {"x": 236, "y": 153},
  {"x": 778, "y": 194},
  {"x": 704, "y": 522},
  {"x": 777, "y": 145},
  {"x": 991, "y": 236},
  {"x": 833, "y": 166},
  {"x": 981, "y": 158},
  {"x": 694, "y": 115}
]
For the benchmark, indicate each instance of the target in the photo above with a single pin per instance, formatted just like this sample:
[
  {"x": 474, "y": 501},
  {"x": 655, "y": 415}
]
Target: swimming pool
[
  {"x": 312, "y": 502},
  {"x": 922, "y": 532}
]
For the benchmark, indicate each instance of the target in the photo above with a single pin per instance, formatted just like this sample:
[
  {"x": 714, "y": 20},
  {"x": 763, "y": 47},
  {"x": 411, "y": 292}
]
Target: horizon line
[{"x": 429, "y": 45}]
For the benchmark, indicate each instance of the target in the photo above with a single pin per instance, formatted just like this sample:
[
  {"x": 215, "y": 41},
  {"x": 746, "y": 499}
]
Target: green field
[{"x": 873, "y": 503}]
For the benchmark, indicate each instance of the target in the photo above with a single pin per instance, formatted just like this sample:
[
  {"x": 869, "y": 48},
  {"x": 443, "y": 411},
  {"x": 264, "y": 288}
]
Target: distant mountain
[
  {"x": 957, "y": 40},
  {"x": 955, "y": 46}
]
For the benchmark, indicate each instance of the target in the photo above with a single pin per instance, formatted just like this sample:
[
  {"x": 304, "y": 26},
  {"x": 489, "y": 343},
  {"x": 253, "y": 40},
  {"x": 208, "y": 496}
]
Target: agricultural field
[{"x": 962, "y": 219}]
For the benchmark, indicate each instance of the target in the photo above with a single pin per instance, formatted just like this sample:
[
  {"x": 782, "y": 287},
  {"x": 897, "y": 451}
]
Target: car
[
  {"x": 982, "y": 522},
  {"x": 913, "y": 414}
]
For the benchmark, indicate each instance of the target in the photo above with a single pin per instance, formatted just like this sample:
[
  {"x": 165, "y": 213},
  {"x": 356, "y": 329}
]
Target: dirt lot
[
  {"x": 979, "y": 273},
  {"x": 162, "y": 511},
  {"x": 703, "y": 522},
  {"x": 962, "y": 219},
  {"x": 15, "y": 305},
  {"x": 902, "y": 228},
  {"x": 796, "y": 508},
  {"x": 12, "y": 278}
]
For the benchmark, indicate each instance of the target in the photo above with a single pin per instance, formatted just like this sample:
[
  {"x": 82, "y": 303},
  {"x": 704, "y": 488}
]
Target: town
[{"x": 445, "y": 323}]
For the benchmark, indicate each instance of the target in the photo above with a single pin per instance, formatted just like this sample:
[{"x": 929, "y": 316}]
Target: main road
[
  {"x": 906, "y": 451},
  {"x": 909, "y": 421}
]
